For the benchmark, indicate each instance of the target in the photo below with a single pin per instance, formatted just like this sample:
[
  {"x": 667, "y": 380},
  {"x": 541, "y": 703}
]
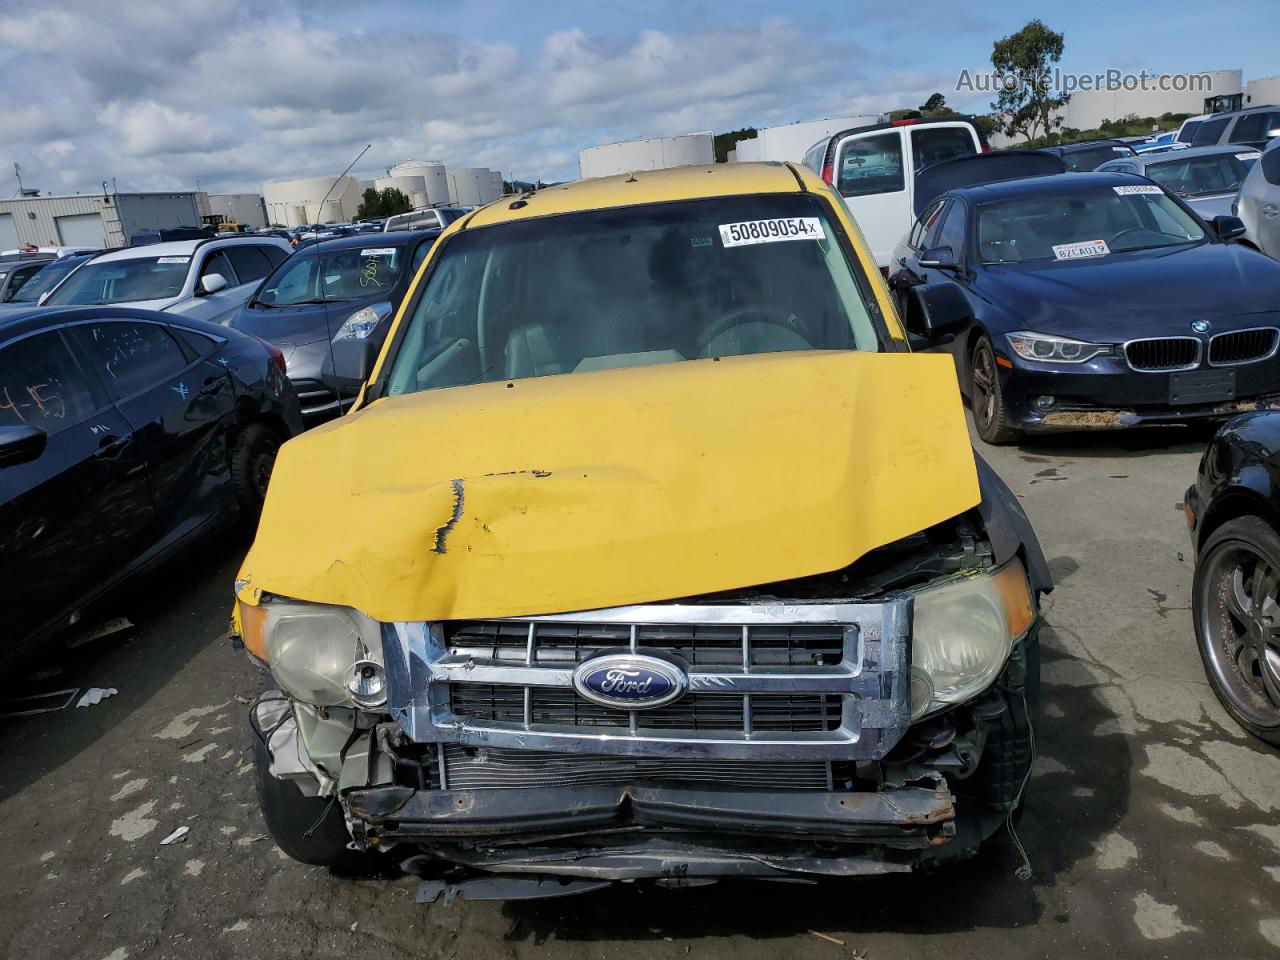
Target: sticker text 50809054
[{"x": 771, "y": 231}]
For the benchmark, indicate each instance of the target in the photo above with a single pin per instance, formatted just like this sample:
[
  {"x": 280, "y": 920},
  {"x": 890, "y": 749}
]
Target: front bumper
[{"x": 1106, "y": 394}]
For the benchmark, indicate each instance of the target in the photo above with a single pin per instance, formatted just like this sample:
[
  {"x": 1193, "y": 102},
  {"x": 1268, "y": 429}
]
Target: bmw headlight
[
  {"x": 1044, "y": 348},
  {"x": 963, "y": 634},
  {"x": 363, "y": 322},
  {"x": 323, "y": 655}
]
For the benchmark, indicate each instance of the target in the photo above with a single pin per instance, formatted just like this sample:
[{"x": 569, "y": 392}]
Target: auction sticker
[
  {"x": 771, "y": 231},
  {"x": 1137, "y": 189},
  {"x": 173, "y": 259},
  {"x": 1248, "y": 156},
  {"x": 378, "y": 252},
  {"x": 1078, "y": 251}
]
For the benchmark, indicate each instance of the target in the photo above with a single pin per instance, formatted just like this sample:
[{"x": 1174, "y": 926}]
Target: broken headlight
[
  {"x": 312, "y": 647},
  {"x": 963, "y": 634}
]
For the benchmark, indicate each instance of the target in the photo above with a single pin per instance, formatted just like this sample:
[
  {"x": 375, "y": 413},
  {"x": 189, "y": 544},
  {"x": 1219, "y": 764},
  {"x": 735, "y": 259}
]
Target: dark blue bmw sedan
[{"x": 1099, "y": 301}]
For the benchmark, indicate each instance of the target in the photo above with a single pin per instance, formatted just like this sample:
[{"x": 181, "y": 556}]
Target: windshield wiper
[{"x": 255, "y": 302}]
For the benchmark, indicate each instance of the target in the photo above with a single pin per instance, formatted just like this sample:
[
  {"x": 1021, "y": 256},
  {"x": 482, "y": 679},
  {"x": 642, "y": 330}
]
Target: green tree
[
  {"x": 382, "y": 203},
  {"x": 936, "y": 102},
  {"x": 722, "y": 143},
  {"x": 1026, "y": 101}
]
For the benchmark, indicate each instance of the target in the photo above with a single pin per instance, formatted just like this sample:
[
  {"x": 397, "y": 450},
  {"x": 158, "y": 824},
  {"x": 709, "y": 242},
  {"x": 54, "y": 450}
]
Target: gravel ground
[{"x": 1151, "y": 824}]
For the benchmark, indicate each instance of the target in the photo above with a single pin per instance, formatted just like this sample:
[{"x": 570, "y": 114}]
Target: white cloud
[{"x": 238, "y": 92}]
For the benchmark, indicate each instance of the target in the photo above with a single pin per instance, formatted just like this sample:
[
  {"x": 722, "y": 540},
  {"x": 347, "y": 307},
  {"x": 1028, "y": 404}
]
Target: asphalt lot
[{"x": 1151, "y": 826}]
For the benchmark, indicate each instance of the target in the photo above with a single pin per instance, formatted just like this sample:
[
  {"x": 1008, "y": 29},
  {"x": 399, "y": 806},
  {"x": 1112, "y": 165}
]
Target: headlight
[
  {"x": 963, "y": 634},
  {"x": 312, "y": 649},
  {"x": 1038, "y": 346},
  {"x": 363, "y": 322}
]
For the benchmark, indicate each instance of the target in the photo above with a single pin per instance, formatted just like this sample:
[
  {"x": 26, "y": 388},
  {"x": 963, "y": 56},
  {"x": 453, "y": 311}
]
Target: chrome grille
[
  {"x": 1242, "y": 346},
  {"x": 472, "y": 768},
  {"x": 785, "y": 681},
  {"x": 695, "y": 711},
  {"x": 1165, "y": 353}
]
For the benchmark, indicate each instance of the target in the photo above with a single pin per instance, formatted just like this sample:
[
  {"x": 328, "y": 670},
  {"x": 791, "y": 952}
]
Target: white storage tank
[
  {"x": 415, "y": 188},
  {"x": 296, "y": 202},
  {"x": 495, "y": 185},
  {"x": 471, "y": 187},
  {"x": 658, "y": 153},
  {"x": 433, "y": 176}
]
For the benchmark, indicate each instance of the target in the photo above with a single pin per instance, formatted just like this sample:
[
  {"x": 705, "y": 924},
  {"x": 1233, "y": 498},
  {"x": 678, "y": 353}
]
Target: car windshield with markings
[
  {"x": 1206, "y": 179},
  {"x": 648, "y": 547},
  {"x": 334, "y": 290},
  {"x": 1098, "y": 301}
]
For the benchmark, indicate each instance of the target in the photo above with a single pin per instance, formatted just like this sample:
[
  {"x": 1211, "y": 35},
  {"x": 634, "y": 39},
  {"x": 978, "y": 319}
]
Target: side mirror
[
  {"x": 212, "y": 283},
  {"x": 353, "y": 360},
  {"x": 21, "y": 444},
  {"x": 1228, "y": 228},
  {"x": 939, "y": 258},
  {"x": 936, "y": 312}
]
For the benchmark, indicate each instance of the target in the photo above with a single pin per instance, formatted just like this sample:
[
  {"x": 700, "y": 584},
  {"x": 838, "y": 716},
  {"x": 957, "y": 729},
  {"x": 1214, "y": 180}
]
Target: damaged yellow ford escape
[{"x": 650, "y": 550}]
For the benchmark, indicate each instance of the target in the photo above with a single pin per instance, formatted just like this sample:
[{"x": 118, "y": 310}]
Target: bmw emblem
[
  {"x": 630, "y": 681},
  {"x": 1201, "y": 326}
]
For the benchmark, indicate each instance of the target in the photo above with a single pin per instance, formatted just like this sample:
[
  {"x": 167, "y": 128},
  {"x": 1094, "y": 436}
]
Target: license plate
[{"x": 1196, "y": 387}]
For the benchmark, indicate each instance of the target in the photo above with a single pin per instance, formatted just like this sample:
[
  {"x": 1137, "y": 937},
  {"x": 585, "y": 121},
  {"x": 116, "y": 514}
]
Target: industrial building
[
  {"x": 1209, "y": 91},
  {"x": 93, "y": 220},
  {"x": 653, "y": 154},
  {"x": 789, "y": 142},
  {"x": 246, "y": 209}
]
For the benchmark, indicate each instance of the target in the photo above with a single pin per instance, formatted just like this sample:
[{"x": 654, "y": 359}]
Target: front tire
[
  {"x": 309, "y": 829},
  {"x": 251, "y": 464},
  {"x": 1236, "y": 610},
  {"x": 985, "y": 396}
]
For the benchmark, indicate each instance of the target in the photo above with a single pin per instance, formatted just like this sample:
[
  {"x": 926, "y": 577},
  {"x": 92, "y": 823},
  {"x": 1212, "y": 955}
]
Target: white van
[{"x": 869, "y": 167}]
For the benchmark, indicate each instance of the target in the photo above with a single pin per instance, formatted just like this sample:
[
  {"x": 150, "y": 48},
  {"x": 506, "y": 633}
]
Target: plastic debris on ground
[
  {"x": 38, "y": 703},
  {"x": 178, "y": 836},
  {"x": 95, "y": 695},
  {"x": 105, "y": 629}
]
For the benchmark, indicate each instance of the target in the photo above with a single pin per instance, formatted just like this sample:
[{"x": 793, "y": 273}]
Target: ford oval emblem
[
  {"x": 1201, "y": 326},
  {"x": 629, "y": 681}
]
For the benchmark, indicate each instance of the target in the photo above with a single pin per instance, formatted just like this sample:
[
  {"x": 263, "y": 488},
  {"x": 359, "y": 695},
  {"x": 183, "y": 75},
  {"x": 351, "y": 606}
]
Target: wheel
[
  {"x": 985, "y": 397},
  {"x": 1237, "y": 619},
  {"x": 309, "y": 829},
  {"x": 251, "y": 463}
]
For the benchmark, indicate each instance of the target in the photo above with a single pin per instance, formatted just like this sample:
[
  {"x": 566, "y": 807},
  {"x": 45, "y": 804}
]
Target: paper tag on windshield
[
  {"x": 1078, "y": 251},
  {"x": 1137, "y": 188},
  {"x": 378, "y": 252},
  {"x": 1248, "y": 156},
  {"x": 173, "y": 259},
  {"x": 771, "y": 231},
  {"x": 1124, "y": 150}
]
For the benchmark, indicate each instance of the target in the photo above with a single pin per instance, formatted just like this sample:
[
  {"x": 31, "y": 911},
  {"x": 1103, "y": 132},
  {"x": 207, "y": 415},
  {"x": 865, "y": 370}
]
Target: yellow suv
[{"x": 649, "y": 550}]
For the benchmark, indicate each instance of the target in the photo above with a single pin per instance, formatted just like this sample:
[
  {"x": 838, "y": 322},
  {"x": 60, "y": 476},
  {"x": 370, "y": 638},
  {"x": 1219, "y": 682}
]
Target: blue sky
[{"x": 234, "y": 92}]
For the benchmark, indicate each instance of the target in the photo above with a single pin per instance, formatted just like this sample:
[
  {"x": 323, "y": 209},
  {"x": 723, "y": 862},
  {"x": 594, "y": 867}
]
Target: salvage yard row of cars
[{"x": 650, "y": 538}]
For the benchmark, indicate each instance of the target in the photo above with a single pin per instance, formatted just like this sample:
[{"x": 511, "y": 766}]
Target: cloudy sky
[{"x": 160, "y": 94}]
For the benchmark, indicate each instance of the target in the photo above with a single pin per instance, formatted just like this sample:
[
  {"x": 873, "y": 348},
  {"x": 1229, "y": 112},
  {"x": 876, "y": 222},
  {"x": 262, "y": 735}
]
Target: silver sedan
[{"x": 1259, "y": 202}]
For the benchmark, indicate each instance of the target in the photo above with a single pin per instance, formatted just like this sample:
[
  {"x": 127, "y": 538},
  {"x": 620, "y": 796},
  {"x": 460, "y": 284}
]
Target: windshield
[
  {"x": 333, "y": 276},
  {"x": 1201, "y": 176},
  {"x": 632, "y": 286},
  {"x": 1083, "y": 161},
  {"x": 45, "y": 280},
  {"x": 1083, "y": 223},
  {"x": 124, "y": 281}
]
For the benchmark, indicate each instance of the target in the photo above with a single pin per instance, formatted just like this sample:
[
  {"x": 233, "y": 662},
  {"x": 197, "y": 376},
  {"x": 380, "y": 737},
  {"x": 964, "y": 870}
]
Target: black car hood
[{"x": 1135, "y": 294}]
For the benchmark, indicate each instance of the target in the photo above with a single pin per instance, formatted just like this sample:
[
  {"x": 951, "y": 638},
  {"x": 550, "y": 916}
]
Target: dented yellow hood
[{"x": 625, "y": 486}]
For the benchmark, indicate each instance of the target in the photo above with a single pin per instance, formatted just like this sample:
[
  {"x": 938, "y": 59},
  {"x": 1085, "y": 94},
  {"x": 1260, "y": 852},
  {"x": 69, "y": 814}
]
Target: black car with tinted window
[
  {"x": 329, "y": 291},
  {"x": 124, "y": 436},
  {"x": 1099, "y": 301}
]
